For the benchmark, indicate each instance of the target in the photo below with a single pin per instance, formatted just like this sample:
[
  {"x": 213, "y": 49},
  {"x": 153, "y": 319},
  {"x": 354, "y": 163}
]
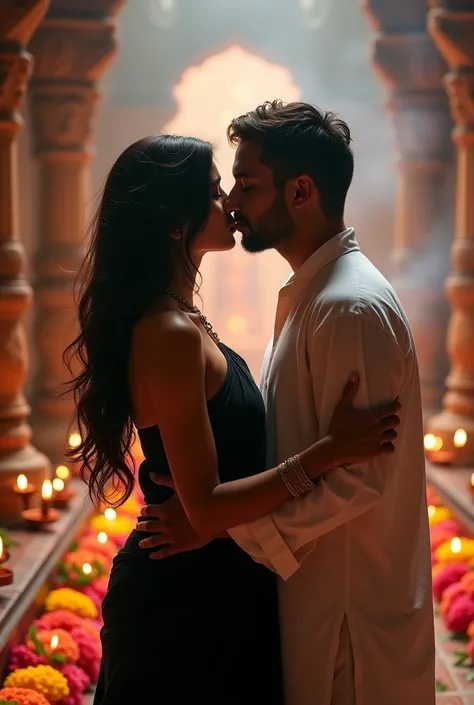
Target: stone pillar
[
  {"x": 451, "y": 25},
  {"x": 411, "y": 68},
  {"x": 73, "y": 48},
  {"x": 18, "y": 21}
]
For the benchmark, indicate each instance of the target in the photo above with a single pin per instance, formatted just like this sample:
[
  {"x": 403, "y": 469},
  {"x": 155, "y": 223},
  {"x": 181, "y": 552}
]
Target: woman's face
[{"x": 218, "y": 233}]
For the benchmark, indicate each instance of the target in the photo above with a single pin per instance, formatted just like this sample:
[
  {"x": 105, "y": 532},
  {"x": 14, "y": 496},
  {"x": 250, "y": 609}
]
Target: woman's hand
[{"x": 359, "y": 435}]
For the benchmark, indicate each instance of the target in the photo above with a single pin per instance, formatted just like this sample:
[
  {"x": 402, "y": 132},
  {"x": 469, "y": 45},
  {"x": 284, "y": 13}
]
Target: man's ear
[{"x": 303, "y": 191}]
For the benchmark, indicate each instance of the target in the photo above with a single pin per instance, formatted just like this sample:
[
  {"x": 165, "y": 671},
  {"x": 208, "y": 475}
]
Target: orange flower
[
  {"x": 65, "y": 644},
  {"x": 470, "y": 630},
  {"x": 23, "y": 696},
  {"x": 467, "y": 582}
]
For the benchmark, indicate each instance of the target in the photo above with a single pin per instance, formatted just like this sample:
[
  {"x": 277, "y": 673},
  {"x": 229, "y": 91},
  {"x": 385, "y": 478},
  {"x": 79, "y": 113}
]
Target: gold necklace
[{"x": 194, "y": 309}]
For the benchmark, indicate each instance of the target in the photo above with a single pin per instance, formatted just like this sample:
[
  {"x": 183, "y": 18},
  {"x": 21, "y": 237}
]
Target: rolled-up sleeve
[{"x": 346, "y": 344}]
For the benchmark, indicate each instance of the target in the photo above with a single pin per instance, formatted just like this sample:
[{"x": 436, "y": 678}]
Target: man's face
[{"x": 259, "y": 207}]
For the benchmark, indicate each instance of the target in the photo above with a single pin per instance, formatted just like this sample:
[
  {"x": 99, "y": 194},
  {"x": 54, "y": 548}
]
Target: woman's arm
[{"x": 173, "y": 367}]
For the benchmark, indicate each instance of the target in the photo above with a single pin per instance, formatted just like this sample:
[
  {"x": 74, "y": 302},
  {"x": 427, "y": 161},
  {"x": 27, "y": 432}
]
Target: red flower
[
  {"x": 460, "y": 614},
  {"x": 447, "y": 576}
]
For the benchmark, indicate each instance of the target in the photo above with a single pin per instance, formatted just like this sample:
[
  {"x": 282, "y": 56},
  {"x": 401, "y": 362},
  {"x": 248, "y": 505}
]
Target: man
[{"x": 355, "y": 596}]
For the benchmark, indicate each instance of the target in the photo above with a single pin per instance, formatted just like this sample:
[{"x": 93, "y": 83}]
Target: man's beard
[{"x": 272, "y": 228}]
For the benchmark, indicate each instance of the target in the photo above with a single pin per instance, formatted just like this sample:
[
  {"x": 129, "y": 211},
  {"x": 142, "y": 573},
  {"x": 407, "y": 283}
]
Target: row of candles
[
  {"x": 53, "y": 493},
  {"x": 445, "y": 451}
]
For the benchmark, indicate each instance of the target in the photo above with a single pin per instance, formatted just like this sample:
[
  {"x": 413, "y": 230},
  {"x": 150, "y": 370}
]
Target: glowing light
[
  {"x": 58, "y": 484},
  {"x": 110, "y": 514},
  {"x": 54, "y": 641},
  {"x": 432, "y": 442},
  {"x": 47, "y": 489},
  {"x": 22, "y": 482},
  {"x": 431, "y": 511},
  {"x": 75, "y": 440},
  {"x": 460, "y": 438},
  {"x": 1, "y": 549},
  {"x": 62, "y": 471},
  {"x": 102, "y": 537},
  {"x": 456, "y": 545},
  {"x": 237, "y": 325},
  {"x": 87, "y": 569}
]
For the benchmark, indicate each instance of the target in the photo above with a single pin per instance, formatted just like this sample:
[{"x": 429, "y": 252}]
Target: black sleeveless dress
[{"x": 203, "y": 625}]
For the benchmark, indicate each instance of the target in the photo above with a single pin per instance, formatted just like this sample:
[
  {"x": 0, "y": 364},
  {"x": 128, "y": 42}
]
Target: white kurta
[{"x": 354, "y": 552}]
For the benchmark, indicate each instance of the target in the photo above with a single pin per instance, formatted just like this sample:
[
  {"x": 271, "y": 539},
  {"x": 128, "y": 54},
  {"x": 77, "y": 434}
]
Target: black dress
[{"x": 200, "y": 626}]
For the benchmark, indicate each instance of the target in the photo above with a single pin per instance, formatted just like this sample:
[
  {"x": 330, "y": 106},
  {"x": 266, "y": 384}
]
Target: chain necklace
[{"x": 194, "y": 309}]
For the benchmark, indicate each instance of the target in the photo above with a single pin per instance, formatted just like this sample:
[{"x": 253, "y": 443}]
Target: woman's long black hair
[{"x": 157, "y": 186}]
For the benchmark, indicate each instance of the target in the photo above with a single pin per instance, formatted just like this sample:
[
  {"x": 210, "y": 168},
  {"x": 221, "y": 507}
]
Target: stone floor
[{"x": 453, "y": 687}]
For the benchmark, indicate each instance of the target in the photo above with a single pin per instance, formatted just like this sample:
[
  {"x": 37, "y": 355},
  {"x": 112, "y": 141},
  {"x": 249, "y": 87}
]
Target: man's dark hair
[{"x": 298, "y": 138}]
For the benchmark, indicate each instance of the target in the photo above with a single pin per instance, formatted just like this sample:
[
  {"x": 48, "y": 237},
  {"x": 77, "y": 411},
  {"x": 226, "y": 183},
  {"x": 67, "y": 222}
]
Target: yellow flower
[
  {"x": 45, "y": 680},
  {"x": 438, "y": 514},
  {"x": 72, "y": 601},
  {"x": 445, "y": 553},
  {"x": 120, "y": 526}
]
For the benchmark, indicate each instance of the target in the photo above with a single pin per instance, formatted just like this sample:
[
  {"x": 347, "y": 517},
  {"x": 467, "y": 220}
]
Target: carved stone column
[
  {"x": 18, "y": 21},
  {"x": 73, "y": 48},
  {"x": 411, "y": 68},
  {"x": 451, "y": 24}
]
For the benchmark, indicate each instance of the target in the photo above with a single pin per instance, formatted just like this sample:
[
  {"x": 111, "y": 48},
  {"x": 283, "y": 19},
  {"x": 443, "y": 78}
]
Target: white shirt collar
[{"x": 332, "y": 249}]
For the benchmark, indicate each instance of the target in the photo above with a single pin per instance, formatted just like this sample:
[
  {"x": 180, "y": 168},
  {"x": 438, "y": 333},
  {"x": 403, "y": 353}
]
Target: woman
[{"x": 201, "y": 624}]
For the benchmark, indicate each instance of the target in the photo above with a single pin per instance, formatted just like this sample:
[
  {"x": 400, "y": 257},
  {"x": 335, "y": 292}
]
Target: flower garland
[
  {"x": 452, "y": 558},
  {"x": 59, "y": 658}
]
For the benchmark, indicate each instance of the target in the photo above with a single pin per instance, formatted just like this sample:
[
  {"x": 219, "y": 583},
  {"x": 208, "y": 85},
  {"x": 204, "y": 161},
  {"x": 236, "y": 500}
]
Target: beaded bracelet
[{"x": 294, "y": 477}]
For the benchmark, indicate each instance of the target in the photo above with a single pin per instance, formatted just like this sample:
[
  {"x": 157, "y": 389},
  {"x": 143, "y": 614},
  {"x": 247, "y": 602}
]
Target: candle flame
[
  {"x": 87, "y": 569},
  {"x": 110, "y": 514},
  {"x": 62, "y": 472},
  {"x": 102, "y": 537},
  {"x": 58, "y": 484},
  {"x": 431, "y": 510},
  {"x": 460, "y": 438},
  {"x": 456, "y": 545},
  {"x": 22, "y": 482},
  {"x": 75, "y": 440},
  {"x": 432, "y": 442},
  {"x": 1, "y": 548},
  {"x": 54, "y": 641},
  {"x": 47, "y": 490}
]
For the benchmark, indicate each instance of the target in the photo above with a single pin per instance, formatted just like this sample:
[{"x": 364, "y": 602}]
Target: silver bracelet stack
[{"x": 294, "y": 477}]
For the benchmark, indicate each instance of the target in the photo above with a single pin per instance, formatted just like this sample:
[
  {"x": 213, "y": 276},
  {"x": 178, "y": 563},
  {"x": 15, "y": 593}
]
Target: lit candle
[
  {"x": 54, "y": 642},
  {"x": 456, "y": 545},
  {"x": 6, "y": 575},
  {"x": 102, "y": 537},
  {"x": 24, "y": 489},
  {"x": 63, "y": 473},
  {"x": 110, "y": 514},
  {"x": 22, "y": 483},
  {"x": 87, "y": 569},
  {"x": 460, "y": 438},
  {"x": 75, "y": 440},
  {"x": 58, "y": 485},
  {"x": 46, "y": 495}
]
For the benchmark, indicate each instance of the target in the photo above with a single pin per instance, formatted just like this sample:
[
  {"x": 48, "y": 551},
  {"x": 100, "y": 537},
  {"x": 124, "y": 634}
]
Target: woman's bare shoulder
[{"x": 166, "y": 333}]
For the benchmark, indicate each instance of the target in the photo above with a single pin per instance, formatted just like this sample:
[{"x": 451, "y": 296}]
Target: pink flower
[
  {"x": 59, "y": 619},
  {"x": 20, "y": 656},
  {"x": 89, "y": 652},
  {"x": 447, "y": 576},
  {"x": 77, "y": 680},
  {"x": 460, "y": 613},
  {"x": 444, "y": 531}
]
